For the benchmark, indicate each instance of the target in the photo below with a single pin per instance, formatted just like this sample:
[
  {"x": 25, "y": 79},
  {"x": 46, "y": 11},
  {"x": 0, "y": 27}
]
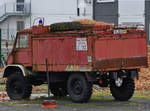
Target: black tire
[
  {"x": 18, "y": 87},
  {"x": 59, "y": 90},
  {"x": 79, "y": 89},
  {"x": 125, "y": 92}
]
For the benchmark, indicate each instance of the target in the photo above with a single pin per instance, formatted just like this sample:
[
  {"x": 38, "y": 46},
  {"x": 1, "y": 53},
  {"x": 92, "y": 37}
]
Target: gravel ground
[{"x": 97, "y": 103}]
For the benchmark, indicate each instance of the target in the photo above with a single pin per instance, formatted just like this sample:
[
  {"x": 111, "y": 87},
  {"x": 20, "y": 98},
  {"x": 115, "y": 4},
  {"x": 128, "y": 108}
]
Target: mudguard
[{"x": 10, "y": 69}]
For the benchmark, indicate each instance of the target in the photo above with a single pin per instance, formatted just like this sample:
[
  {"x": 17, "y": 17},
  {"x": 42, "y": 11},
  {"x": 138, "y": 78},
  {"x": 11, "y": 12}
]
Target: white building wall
[
  {"x": 131, "y": 11},
  {"x": 7, "y": 1},
  {"x": 58, "y": 11},
  {"x": 9, "y": 27}
]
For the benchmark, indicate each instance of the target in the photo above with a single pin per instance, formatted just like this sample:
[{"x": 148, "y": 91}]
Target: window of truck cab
[{"x": 22, "y": 41}]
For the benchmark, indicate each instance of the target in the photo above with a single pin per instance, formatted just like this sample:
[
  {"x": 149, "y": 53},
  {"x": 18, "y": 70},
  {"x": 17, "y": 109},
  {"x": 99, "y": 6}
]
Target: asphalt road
[{"x": 97, "y": 103}]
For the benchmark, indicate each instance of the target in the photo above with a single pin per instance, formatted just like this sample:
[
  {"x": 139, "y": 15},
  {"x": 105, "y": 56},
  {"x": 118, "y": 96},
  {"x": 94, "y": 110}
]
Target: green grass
[
  {"x": 142, "y": 94},
  {"x": 2, "y": 87},
  {"x": 103, "y": 92},
  {"x": 44, "y": 87}
]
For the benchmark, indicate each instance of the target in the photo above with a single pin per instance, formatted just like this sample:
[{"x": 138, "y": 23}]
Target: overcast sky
[{"x": 131, "y": 10}]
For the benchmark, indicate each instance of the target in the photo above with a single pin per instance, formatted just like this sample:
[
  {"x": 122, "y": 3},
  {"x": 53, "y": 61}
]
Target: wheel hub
[
  {"x": 16, "y": 88},
  {"x": 119, "y": 82},
  {"x": 77, "y": 88}
]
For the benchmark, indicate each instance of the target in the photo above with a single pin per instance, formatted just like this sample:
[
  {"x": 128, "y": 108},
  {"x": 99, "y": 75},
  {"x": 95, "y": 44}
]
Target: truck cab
[{"x": 22, "y": 50}]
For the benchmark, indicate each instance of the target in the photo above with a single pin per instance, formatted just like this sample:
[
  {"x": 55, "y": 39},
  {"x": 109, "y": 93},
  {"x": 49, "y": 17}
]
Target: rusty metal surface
[
  {"x": 120, "y": 63},
  {"x": 120, "y": 48},
  {"x": 61, "y": 54},
  {"x": 100, "y": 50}
]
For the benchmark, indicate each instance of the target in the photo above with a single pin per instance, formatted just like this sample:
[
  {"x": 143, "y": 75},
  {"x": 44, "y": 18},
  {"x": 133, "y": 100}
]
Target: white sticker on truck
[{"x": 81, "y": 44}]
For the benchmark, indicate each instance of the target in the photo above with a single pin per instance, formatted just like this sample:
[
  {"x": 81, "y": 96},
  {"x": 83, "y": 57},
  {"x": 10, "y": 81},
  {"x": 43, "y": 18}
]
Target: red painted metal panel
[
  {"x": 42, "y": 49},
  {"x": 62, "y": 50},
  {"x": 81, "y": 56},
  {"x": 61, "y": 53},
  {"x": 134, "y": 47},
  {"x": 124, "y": 52},
  {"x": 121, "y": 48},
  {"x": 115, "y": 49},
  {"x": 22, "y": 56},
  {"x": 57, "y": 50},
  {"x": 101, "y": 49}
]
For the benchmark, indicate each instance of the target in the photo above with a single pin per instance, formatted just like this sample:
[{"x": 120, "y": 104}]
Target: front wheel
[
  {"x": 79, "y": 89},
  {"x": 18, "y": 87},
  {"x": 122, "y": 90}
]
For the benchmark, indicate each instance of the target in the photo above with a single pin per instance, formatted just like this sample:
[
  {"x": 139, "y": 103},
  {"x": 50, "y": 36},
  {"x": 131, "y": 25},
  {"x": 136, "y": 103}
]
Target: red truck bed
[{"x": 91, "y": 52}]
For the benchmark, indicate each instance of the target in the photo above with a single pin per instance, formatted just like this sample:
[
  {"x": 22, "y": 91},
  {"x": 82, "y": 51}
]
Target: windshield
[{"x": 22, "y": 41}]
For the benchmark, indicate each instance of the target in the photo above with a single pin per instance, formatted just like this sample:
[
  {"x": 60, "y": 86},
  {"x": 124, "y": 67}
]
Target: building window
[
  {"x": 20, "y": 1},
  {"x": 20, "y": 5},
  {"x": 20, "y": 25},
  {"x": 88, "y": 1}
]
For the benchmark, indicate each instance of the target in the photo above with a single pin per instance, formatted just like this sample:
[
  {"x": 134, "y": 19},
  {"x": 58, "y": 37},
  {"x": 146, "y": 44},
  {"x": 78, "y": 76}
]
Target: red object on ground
[{"x": 49, "y": 104}]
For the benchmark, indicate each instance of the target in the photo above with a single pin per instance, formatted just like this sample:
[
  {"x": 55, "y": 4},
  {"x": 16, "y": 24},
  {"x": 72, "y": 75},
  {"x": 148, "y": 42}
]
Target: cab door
[{"x": 23, "y": 51}]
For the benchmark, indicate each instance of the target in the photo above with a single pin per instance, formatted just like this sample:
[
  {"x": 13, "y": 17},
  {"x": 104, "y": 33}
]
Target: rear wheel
[
  {"x": 79, "y": 89},
  {"x": 18, "y": 87},
  {"x": 124, "y": 90}
]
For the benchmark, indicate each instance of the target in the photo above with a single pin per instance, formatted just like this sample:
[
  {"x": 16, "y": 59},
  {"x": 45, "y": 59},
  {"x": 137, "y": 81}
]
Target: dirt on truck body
[{"x": 78, "y": 56}]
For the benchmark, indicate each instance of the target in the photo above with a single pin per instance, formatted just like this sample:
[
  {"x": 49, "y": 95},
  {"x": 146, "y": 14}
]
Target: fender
[{"x": 10, "y": 69}]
